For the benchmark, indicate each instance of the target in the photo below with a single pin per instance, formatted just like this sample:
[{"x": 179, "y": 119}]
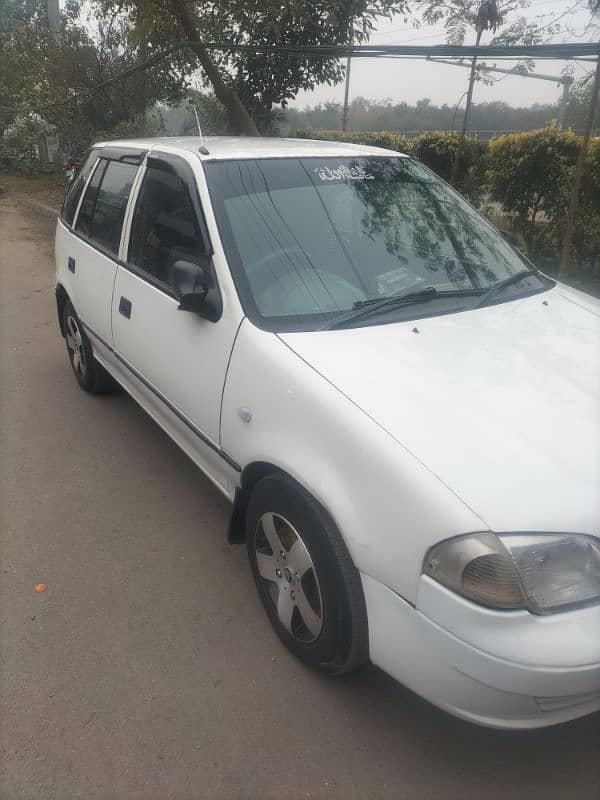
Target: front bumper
[{"x": 500, "y": 669}]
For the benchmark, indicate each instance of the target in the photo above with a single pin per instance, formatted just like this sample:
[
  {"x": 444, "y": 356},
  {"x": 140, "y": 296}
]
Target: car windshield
[{"x": 311, "y": 239}]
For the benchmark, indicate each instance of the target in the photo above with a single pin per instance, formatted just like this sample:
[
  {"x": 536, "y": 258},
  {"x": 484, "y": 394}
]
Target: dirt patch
[{"x": 48, "y": 190}]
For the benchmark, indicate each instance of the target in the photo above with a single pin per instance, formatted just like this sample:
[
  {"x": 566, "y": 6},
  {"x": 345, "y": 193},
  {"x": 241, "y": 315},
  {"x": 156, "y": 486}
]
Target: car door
[
  {"x": 93, "y": 246},
  {"x": 175, "y": 361}
]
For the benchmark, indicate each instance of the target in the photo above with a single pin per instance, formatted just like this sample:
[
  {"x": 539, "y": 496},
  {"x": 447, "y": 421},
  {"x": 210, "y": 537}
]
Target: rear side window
[
  {"x": 103, "y": 207},
  {"x": 86, "y": 212},
  {"x": 74, "y": 193},
  {"x": 165, "y": 228}
]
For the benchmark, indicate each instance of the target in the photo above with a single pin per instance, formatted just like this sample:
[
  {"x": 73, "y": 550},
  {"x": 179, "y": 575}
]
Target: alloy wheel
[
  {"x": 75, "y": 346},
  {"x": 289, "y": 575}
]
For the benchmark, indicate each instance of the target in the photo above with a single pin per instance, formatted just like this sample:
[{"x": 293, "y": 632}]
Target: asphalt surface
[{"x": 147, "y": 669}]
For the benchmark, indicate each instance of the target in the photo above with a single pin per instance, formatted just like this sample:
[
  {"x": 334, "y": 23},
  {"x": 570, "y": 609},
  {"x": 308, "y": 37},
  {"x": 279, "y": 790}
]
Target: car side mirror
[{"x": 191, "y": 284}]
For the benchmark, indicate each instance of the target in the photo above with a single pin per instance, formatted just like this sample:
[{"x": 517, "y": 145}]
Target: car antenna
[{"x": 202, "y": 149}]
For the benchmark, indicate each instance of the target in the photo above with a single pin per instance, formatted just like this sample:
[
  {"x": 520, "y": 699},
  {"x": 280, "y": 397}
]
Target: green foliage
[
  {"x": 149, "y": 123},
  {"x": 180, "y": 120},
  {"x": 586, "y": 238},
  {"x": 40, "y": 73},
  {"x": 461, "y": 17},
  {"x": 18, "y": 148},
  {"x": 438, "y": 150},
  {"x": 528, "y": 173}
]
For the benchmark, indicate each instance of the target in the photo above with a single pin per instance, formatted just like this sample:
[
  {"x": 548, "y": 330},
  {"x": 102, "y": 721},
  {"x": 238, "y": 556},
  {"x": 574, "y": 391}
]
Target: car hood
[{"x": 501, "y": 403}]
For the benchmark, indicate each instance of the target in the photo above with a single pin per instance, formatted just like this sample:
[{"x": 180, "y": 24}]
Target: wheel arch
[{"x": 251, "y": 474}]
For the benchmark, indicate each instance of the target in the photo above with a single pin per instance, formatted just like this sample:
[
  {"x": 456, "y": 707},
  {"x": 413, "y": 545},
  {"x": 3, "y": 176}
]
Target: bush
[
  {"x": 19, "y": 148},
  {"x": 586, "y": 236},
  {"x": 438, "y": 150},
  {"x": 529, "y": 174}
]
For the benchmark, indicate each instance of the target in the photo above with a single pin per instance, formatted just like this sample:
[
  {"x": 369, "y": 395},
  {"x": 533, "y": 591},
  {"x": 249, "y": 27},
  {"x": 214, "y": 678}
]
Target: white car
[{"x": 404, "y": 412}]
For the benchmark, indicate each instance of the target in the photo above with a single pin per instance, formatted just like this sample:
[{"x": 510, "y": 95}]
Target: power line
[{"x": 561, "y": 51}]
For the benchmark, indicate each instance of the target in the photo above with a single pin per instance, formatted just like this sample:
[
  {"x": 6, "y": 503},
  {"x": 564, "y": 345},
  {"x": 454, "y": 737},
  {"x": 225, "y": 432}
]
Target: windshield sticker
[
  {"x": 397, "y": 280},
  {"x": 343, "y": 173}
]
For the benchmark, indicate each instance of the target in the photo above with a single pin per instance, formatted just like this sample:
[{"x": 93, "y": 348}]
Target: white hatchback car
[{"x": 404, "y": 412}]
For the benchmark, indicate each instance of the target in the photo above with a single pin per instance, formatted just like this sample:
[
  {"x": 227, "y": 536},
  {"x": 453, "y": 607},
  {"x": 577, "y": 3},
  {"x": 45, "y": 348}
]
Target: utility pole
[
  {"x": 567, "y": 82},
  {"x": 348, "y": 66},
  {"x": 346, "y": 95}
]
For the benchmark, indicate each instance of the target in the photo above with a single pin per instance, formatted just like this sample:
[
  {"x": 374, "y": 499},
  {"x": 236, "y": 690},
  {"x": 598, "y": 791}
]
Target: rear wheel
[
  {"x": 307, "y": 582},
  {"x": 90, "y": 375}
]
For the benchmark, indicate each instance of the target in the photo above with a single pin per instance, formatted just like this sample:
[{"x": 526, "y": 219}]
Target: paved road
[{"x": 146, "y": 670}]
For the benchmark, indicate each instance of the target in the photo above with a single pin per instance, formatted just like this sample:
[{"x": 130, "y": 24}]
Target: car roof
[{"x": 237, "y": 147}]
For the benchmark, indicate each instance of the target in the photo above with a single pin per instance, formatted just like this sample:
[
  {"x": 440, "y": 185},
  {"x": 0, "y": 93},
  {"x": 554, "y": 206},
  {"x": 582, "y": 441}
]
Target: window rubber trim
[{"x": 157, "y": 393}]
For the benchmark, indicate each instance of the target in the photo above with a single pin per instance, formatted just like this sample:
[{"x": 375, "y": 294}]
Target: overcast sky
[{"x": 415, "y": 79}]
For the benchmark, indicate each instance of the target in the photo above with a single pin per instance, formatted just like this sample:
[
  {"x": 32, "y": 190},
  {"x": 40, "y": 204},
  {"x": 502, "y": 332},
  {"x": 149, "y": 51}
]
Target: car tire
[
  {"x": 90, "y": 375},
  {"x": 310, "y": 589}
]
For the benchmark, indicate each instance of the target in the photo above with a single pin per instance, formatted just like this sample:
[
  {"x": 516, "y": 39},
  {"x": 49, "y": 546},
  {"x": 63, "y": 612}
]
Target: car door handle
[
  {"x": 71, "y": 264},
  {"x": 125, "y": 307}
]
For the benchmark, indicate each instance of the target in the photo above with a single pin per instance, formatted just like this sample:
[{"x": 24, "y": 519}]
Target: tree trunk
[
  {"x": 228, "y": 96},
  {"x": 565, "y": 255},
  {"x": 465, "y": 122}
]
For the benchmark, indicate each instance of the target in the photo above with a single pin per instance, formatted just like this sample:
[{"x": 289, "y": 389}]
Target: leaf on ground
[{"x": 41, "y": 587}]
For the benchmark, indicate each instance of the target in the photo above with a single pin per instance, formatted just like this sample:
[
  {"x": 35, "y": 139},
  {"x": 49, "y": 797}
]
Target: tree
[
  {"x": 251, "y": 84},
  {"x": 43, "y": 75}
]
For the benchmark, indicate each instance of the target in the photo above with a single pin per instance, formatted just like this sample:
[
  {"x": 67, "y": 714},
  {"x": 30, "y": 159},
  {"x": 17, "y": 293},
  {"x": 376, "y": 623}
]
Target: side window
[
  {"x": 86, "y": 211},
  {"x": 76, "y": 188},
  {"x": 103, "y": 208},
  {"x": 165, "y": 228}
]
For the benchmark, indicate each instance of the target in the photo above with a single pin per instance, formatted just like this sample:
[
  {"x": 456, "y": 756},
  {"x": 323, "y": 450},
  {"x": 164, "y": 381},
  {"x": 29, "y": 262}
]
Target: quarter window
[
  {"x": 103, "y": 208},
  {"x": 165, "y": 227},
  {"x": 74, "y": 193}
]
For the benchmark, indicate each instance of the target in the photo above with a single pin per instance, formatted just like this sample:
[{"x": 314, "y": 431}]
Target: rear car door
[
  {"x": 176, "y": 360},
  {"x": 92, "y": 247}
]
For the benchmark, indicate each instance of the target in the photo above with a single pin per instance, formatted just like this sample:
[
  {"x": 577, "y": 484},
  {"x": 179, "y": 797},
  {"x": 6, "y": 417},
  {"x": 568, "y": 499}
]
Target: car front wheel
[{"x": 305, "y": 577}]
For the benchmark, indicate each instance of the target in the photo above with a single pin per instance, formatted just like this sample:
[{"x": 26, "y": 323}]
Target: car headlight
[{"x": 543, "y": 572}]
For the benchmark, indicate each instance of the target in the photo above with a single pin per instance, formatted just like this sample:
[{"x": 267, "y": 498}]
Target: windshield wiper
[
  {"x": 364, "y": 308},
  {"x": 497, "y": 287}
]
